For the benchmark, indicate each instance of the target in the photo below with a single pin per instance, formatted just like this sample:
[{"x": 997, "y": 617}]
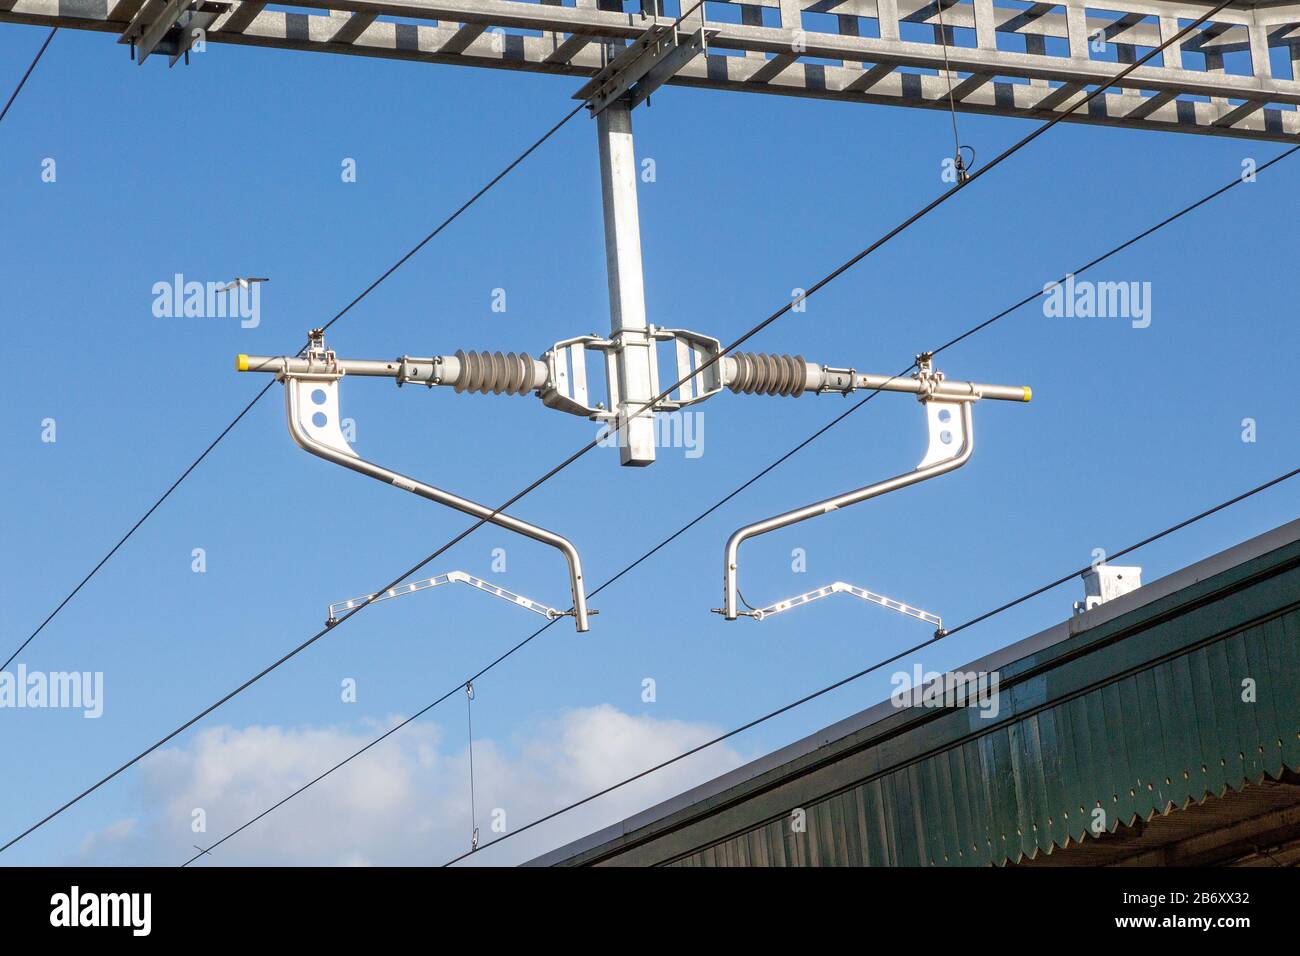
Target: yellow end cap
[
  {"x": 1029, "y": 393},
  {"x": 241, "y": 365}
]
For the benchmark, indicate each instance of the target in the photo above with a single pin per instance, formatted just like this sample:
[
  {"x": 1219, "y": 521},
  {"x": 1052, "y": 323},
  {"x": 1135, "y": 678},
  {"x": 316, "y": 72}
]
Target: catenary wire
[
  {"x": 752, "y": 480},
  {"x": 1236, "y": 181},
  {"x": 258, "y": 397},
  {"x": 23, "y": 82},
  {"x": 703, "y": 746},
  {"x": 1131, "y": 548},
  {"x": 862, "y": 673},
  {"x": 141, "y": 520},
  {"x": 338, "y": 315},
  {"x": 615, "y": 426},
  {"x": 537, "y": 633}
]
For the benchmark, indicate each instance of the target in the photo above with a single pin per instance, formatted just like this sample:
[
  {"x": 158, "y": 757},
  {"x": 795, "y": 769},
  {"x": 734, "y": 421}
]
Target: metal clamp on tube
[
  {"x": 312, "y": 409},
  {"x": 952, "y": 440}
]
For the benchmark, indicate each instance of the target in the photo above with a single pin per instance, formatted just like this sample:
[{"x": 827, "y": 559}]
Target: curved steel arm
[
  {"x": 312, "y": 407},
  {"x": 940, "y": 458}
]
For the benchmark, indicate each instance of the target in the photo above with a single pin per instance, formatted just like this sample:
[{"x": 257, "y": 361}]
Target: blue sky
[{"x": 232, "y": 167}]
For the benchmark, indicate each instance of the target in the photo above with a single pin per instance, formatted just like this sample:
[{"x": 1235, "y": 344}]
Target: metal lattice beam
[{"x": 1029, "y": 60}]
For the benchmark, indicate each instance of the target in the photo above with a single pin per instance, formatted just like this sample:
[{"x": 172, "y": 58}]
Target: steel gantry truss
[{"x": 1236, "y": 76}]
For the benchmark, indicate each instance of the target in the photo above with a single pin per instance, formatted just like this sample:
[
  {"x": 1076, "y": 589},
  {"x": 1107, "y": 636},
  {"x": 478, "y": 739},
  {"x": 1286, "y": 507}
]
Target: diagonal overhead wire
[
  {"x": 258, "y": 397},
  {"x": 1129, "y": 550},
  {"x": 139, "y": 521},
  {"x": 771, "y": 466},
  {"x": 338, "y": 315},
  {"x": 652, "y": 403},
  {"x": 23, "y": 82},
  {"x": 786, "y": 708}
]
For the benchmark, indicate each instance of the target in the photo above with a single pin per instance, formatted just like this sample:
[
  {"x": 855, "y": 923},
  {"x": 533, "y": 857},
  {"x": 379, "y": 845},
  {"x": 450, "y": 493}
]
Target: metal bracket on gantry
[
  {"x": 644, "y": 65},
  {"x": 169, "y": 27},
  {"x": 951, "y": 442},
  {"x": 311, "y": 390},
  {"x": 451, "y": 577}
]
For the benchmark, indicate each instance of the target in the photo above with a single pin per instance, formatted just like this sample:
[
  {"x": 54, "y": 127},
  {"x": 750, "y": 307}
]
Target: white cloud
[
  {"x": 406, "y": 800},
  {"x": 106, "y": 845}
]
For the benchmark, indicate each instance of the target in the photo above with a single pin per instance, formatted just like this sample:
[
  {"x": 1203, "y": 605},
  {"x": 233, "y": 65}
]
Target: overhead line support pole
[{"x": 631, "y": 355}]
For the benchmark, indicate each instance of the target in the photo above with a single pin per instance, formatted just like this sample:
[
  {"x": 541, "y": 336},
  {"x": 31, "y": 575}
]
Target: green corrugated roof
[{"x": 1132, "y": 716}]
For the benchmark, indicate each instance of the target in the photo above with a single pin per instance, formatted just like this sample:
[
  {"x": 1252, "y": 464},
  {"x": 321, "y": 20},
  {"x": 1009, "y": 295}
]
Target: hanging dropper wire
[
  {"x": 469, "y": 718},
  {"x": 959, "y": 162}
]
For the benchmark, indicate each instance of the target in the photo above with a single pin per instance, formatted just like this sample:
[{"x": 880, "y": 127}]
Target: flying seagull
[{"x": 243, "y": 282}]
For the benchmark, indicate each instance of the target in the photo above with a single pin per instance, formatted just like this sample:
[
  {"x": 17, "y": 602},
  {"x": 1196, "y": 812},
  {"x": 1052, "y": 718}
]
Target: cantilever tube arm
[
  {"x": 323, "y": 437},
  {"x": 936, "y": 462}
]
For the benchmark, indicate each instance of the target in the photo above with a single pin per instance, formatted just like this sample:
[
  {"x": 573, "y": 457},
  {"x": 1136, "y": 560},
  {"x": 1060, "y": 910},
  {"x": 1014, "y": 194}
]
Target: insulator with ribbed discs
[
  {"x": 764, "y": 374},
  {"x": 493, "y": 372}
]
